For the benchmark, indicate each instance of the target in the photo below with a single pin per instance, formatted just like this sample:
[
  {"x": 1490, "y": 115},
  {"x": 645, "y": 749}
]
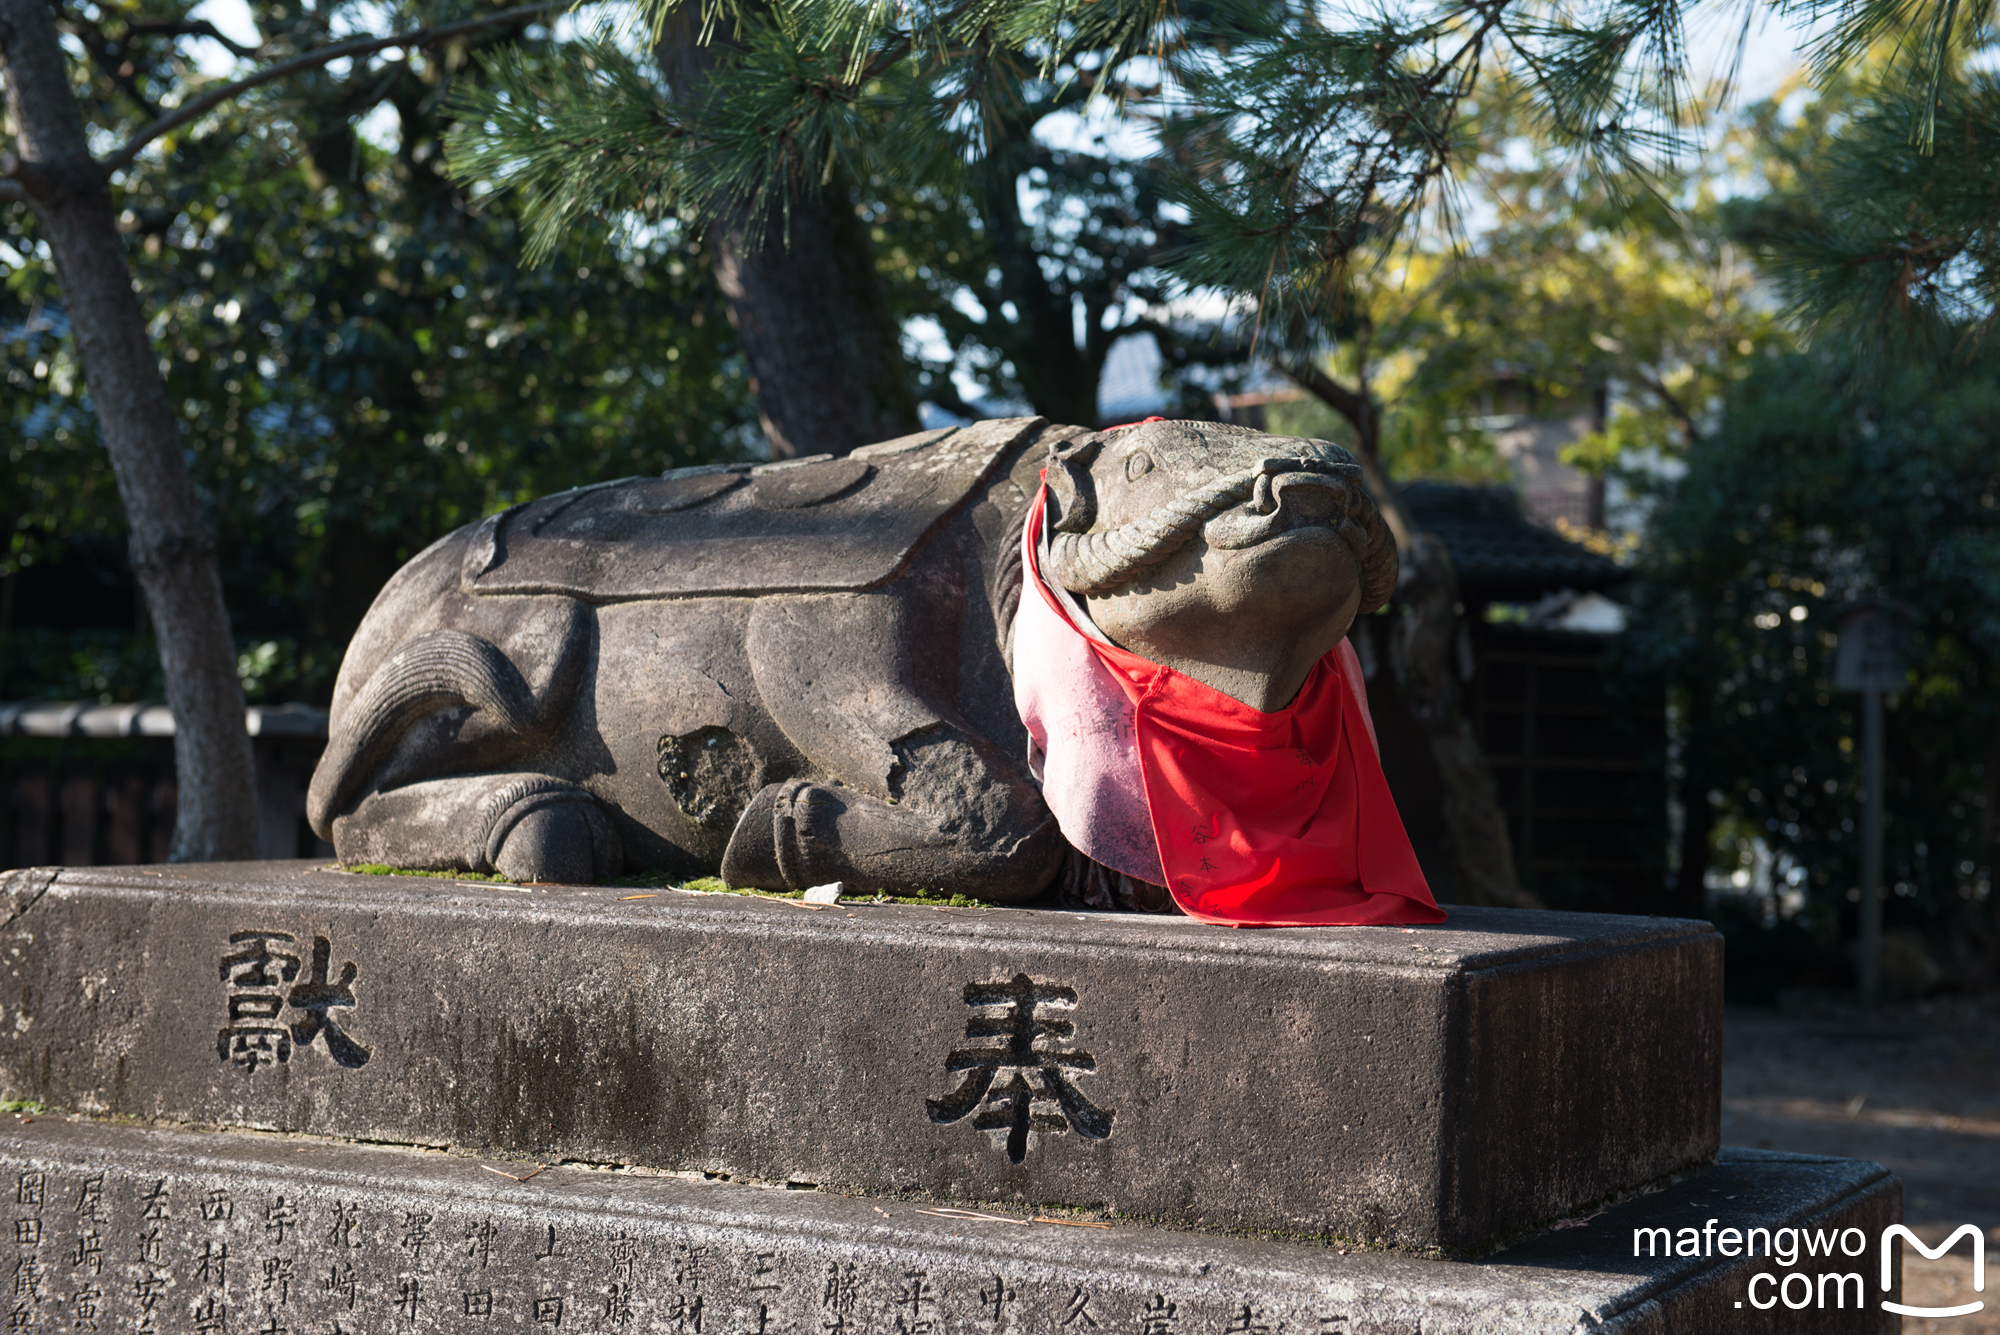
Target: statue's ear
[{"x": 1068, "y": 476}]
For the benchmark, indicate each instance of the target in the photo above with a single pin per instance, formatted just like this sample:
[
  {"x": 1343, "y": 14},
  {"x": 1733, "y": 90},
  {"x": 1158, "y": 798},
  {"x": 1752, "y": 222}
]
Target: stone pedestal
[
  {"x": 119, "y": 1228},
  {"x": 1438, "y": 1089},
  {"x": 610, "y": 1110}
]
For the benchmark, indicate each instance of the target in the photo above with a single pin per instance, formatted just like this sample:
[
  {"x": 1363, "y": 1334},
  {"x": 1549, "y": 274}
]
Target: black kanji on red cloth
[{"x": 1026, "y": 1080}]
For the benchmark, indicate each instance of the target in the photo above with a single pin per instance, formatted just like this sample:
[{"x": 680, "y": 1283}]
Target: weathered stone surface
[
  {"x": 531, "y": 694},
  {"x": 1431, "y": 1088},
  {"x": 799, "y": 672},
  {"x": 116, "y": 1228},
  {"x": 802, "y": 525}
]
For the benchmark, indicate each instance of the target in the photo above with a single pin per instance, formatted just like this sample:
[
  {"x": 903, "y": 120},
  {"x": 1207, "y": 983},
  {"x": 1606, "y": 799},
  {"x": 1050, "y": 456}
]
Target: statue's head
[{"x": 1173, "y": 532}]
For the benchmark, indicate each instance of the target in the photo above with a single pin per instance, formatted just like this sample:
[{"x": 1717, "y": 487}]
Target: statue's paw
[
  {"x": 542, "y": 829},
  {"x": 763, "y": 850}
]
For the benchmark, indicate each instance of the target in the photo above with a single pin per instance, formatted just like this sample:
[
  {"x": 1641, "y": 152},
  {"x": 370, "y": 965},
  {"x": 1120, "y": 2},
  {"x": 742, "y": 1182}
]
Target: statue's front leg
[
  {"x": 964, "y": 821},
  {"x": 526, "y": 827}
]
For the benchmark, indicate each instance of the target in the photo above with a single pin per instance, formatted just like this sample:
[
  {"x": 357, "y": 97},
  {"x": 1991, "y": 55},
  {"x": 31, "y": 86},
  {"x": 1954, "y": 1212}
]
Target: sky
[{"x": 1770, "y": 58}]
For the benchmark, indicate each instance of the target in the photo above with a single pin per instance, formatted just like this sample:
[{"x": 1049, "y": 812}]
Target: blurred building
[
  {"x": 1532, "y": 440},
  {"x": 1577, "y": 748}
]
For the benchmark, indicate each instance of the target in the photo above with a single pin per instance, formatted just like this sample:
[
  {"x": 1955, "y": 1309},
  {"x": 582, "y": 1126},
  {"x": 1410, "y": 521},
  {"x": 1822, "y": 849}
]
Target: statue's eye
[{"x": 1138, "y": 466}]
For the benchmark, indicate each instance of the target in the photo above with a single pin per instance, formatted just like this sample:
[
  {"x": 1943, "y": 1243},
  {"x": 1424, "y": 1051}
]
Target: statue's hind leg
[
  {"x": 526, "y": 827},
  {"x": 905, "y": 794}
]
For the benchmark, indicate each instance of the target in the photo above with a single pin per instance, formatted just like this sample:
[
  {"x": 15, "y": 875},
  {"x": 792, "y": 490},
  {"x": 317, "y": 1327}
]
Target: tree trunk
[
  {"x": 172, "y": 552},
  {"x": 825, "y": 354},
  {"x": 1482, "y": 853}
]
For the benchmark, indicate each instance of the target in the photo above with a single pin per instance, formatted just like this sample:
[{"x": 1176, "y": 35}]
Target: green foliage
[
  {"x": 810, "y": 89},
  {"x": 1821, "y": 486},
  {"x": 1880, "y": 247},
  {"x": 1943, "y": 31},
  {"x": 1420, "y": 441},
  {"x": 1028, "y": 253},
  {"x": 1573, "y": 304},
  {"x": 577, "y": 137},
  {"x": 1295, "y": 149},
  {"x": 102, "y": 665},
  {"x": 47, "y": 430},
  {"x": 1628, "y": 436},
  {"x": 1311, "y": 143},
  {"x": 359, "y": 361},
  {"x": 1011, "y": 254},
  {"x": 1291, "y": 144},
  {"x": 1577, "y": 290}
]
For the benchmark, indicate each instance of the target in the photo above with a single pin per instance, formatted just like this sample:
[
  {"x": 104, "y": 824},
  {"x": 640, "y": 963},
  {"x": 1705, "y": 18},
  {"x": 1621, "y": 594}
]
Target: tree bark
[
  {"x": 1482, "y": 852},
  {"x": 825, "y": 354},
  {"x": 172, "y": 551},
  {"x": 825, "y": 357}
]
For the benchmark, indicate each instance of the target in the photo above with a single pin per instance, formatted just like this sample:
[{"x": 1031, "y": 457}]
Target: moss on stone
[{"x": 378, "y": 869}]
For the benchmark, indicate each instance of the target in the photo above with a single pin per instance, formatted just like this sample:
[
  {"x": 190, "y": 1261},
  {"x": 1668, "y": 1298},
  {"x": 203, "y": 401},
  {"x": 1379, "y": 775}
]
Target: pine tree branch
[
  {"x": 1348, "y": 403},
  {"x": 190, "y": 28},
  {"x": 109, "y": 57},
  {"x": 360, "y": 46}
]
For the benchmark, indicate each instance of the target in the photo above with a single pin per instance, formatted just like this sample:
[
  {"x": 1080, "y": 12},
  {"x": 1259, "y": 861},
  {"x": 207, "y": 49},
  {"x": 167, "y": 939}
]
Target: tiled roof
[{"x": 1499, "y": 555}]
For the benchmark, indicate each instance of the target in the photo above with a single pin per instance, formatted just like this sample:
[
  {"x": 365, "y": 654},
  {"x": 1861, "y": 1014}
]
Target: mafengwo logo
[
  {"x": 1895, "y": 1231},
  {"x": 1822, "y": 1286}
]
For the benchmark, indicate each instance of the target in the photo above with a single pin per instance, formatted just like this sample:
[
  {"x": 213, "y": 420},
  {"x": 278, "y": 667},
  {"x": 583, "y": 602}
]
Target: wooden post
[{"x": 1873, "y": 632}]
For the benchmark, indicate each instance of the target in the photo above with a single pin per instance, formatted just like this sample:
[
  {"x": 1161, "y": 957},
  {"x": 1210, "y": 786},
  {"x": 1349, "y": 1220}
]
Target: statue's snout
[{"x": 1289, "y": 494}]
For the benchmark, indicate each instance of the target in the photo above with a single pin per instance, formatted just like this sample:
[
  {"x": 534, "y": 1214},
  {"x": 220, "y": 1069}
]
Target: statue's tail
[{"x": 438, "y": 670}]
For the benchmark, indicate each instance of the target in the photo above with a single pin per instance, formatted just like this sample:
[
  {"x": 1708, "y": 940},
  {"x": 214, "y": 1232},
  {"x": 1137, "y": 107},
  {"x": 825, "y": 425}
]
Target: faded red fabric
[{"x": 1269, "y": 820}]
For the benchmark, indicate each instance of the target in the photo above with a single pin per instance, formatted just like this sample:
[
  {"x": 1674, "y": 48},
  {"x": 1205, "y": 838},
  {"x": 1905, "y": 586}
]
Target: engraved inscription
[
  {"x": 150, "y": 1283},
  {"x": 690, "y": 1269},
  {"x": 479, "y": 1241},
  {"x": 211, "y": 1316},
  {"x": 212, "y": 1266},
  {"x": 416, "y": 1235},
  {"x": 339, "y": 1283},
  {"x": 994, "y": 1297},
  {"x": 622, "y": 1257},
  {"x": 86, "y": 1259},
  {"x": 763, "y": 1289},
  {"x": 1026, "y": 1082},
  {"x": 263, "y": 971},
  {"x": 112, "y": 1250},
  {"x": 841, "y": 1299},
  {"x": 409, "y": 1296},
  {"x": 346, "y": 1218},
  {"x": 1248, "y": 1320},
  {"x": 31, "y": 1282},
  {"x": 916, "y": 1304},
  {"x": 1076, "y": 1314}
]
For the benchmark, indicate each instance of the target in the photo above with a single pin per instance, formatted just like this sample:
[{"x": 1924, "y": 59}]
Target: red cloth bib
[{"x": 1270, "y": 820}]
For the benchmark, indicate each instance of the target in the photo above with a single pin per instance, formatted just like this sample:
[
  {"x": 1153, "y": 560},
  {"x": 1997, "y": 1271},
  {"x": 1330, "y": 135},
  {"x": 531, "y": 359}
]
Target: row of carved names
[{"x": 163, "y": 1255}]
